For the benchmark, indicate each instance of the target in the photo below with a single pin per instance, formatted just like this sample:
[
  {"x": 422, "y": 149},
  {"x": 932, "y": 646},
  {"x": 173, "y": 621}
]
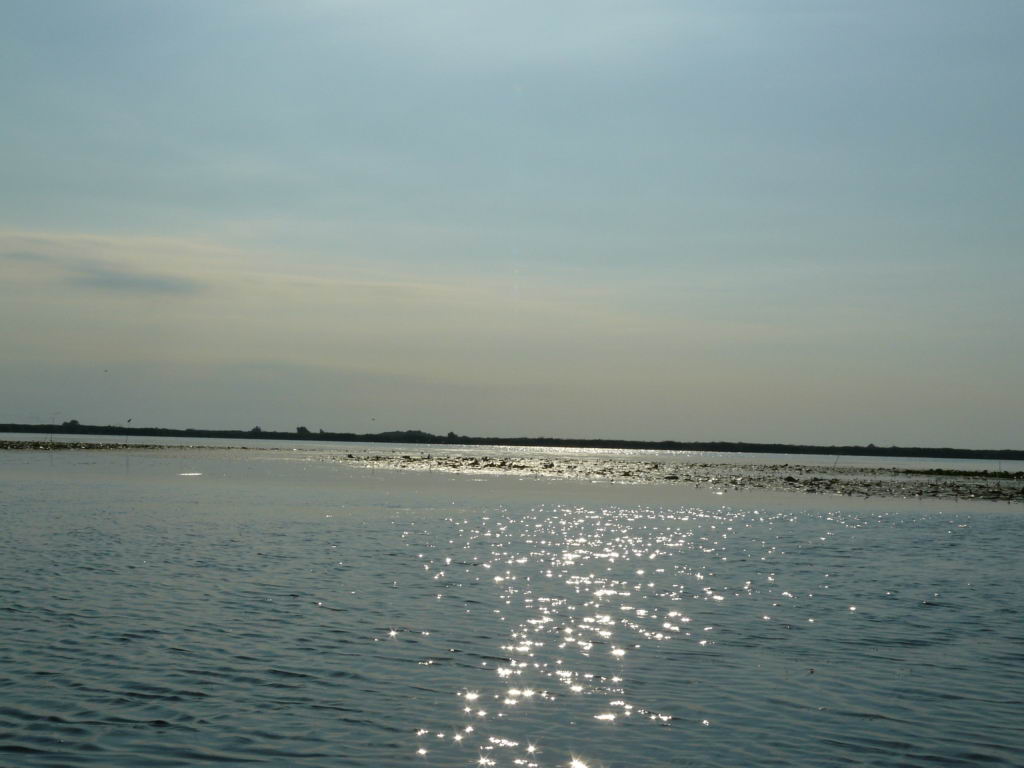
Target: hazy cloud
[
  {"x": 85, "y": 271},
  {"x": 25, "y": 256},
  {"x": 122, "y": 281}
]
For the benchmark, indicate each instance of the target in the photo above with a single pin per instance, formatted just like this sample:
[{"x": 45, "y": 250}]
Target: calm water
[{"x": 201, "y": 607}]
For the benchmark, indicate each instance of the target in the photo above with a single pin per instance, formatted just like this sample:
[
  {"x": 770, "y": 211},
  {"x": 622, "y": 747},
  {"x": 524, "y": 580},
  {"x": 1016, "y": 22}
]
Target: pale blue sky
[{"x": 778, "y": 221}]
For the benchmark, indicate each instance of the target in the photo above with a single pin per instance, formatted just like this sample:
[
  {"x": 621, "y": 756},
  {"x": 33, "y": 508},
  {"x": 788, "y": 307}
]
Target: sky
[{"x": 788, "y": 221}]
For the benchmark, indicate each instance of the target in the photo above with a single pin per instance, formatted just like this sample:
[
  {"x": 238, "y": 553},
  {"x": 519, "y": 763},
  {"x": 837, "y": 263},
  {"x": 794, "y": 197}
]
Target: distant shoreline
[
  {"x": 425, "y": 438},
  {"x": 866, "y": 482}
]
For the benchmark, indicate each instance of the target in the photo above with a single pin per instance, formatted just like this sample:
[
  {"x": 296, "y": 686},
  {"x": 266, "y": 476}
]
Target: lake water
[{"x": 270, "y": 607}]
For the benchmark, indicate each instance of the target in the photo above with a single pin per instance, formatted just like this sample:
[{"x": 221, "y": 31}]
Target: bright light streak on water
[{"x": 182, "y": 609}]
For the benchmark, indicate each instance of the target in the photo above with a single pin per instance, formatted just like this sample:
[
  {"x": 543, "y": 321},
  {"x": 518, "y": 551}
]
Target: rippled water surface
[{"x": 193, "y": 607}]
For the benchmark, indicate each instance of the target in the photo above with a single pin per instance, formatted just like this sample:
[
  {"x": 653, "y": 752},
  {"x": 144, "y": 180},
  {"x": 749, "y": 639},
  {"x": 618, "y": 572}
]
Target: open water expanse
[{"x": 199, "y": 607}]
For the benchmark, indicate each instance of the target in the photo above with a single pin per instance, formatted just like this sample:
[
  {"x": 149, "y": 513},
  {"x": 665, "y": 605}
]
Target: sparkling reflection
[
  {"x": 594, "y": 602},
  {"x": 578, "y": 605}
]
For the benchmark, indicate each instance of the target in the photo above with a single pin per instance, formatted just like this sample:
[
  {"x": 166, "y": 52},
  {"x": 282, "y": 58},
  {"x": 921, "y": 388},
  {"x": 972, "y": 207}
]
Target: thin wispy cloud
[
  {"x": 109, "y": 279},
  {"x": 97, "y": 275}
]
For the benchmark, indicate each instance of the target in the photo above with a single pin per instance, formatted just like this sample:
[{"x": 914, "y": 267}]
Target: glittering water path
[
  {"x": 224, "y": 608},
  {"x": 725, "y": 637}
]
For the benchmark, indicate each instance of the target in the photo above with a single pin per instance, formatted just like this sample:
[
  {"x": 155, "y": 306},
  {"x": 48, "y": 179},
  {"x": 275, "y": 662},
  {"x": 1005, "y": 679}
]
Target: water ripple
[{"x": 363, "y": 620}]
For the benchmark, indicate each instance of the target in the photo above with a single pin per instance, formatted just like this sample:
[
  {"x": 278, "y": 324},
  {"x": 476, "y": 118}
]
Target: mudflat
[{"x": 837, "y": 480}]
